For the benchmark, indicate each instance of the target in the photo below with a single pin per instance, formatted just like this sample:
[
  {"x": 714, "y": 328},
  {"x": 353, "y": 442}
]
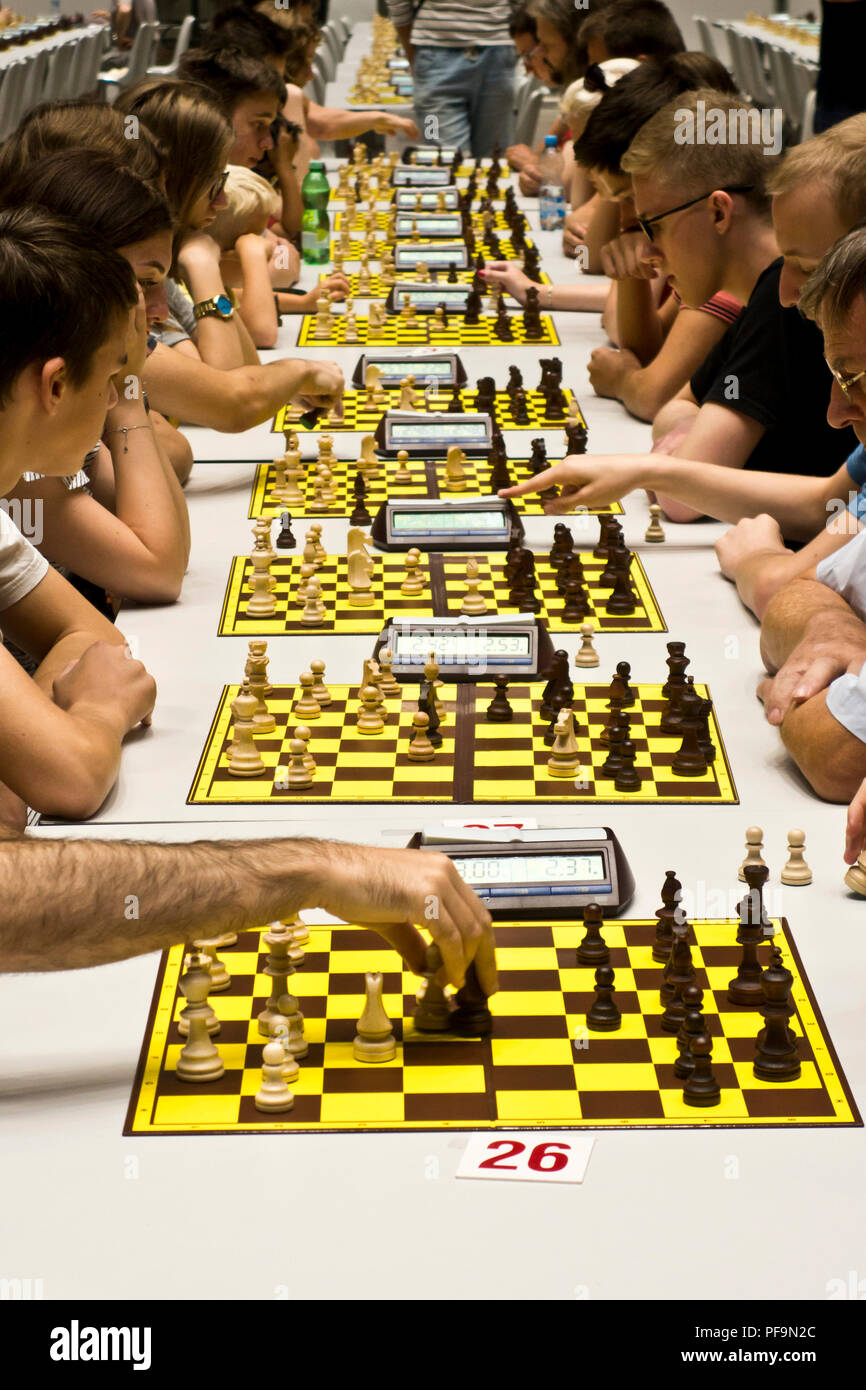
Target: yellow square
[
  {"x": 424, "y": 1081},
  {"x": 538, "y": 1107},
  {"x": 362, "y": 1108},
  {"x": 731, "y": 1106},
  {"x": 615, "y": 1076},
  {"x": 198, "y": 1108},
  {"x": 531, "y": 1052},
  {"x": 544, "y": 1003}
]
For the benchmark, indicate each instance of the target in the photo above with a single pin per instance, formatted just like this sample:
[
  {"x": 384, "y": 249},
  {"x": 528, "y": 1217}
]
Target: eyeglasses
[
  {"x": 646, "y": 223},
  {"x": 846, "y": 382},
  {"x": 218, "y": 187}
]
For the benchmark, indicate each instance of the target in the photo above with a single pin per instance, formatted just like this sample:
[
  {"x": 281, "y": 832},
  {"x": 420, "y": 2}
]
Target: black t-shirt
[
  {"x": 770, "y": 366},
  {"x": 843, "y": 42}
]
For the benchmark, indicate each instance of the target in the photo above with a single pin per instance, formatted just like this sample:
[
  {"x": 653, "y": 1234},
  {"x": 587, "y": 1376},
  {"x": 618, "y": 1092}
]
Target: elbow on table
[
  {"x": 644, "y": 399},
  {"x": 833, "y": 773}
]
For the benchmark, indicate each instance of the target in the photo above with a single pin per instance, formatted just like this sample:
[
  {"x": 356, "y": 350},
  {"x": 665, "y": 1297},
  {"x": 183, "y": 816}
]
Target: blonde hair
[
  {"x": 696, "y": 167},
  {"x": 578, "y": 101},
  {"x": 251, "y": 201},
  {"x": 836, "y": 158}
]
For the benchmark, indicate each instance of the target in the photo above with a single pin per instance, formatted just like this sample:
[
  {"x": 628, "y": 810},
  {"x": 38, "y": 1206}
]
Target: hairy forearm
[
  {"x": 794, "y": 610},
  {"x": 330, "y": 123},
  {"x": 831, "y": 759},
  {"x": 122, "y": 899}
]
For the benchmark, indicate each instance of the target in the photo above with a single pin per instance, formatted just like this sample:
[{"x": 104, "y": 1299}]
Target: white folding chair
[
  {"x": 113, "y": 79},
  {"x": 59, "y": 63},
  {"x": 34, "y": 82},
  {"x": 785, "y": 96},
  {"x": 181, "y": 44},
  {"x": 92, "y": 63},
  {"x": 808, "y": 127},
  {"x": 326, "y": 61},
  {"x": 331, "y": 39}
]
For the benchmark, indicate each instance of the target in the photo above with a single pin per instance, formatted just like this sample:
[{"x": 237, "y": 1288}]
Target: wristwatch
[{"x": 219, "y": 306}]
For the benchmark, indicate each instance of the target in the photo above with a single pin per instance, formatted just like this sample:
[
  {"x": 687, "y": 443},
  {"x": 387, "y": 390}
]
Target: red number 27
[{"x": 544, "y": 1158}]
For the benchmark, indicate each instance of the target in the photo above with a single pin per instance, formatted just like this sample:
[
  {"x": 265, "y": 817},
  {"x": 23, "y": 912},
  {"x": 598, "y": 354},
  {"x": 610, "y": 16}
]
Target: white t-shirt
[
  {"x": 845, "y": 572},
  {"x": 21, "y": 565}
]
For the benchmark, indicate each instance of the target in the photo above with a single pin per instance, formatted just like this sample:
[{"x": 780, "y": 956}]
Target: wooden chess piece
[
  {"x": 374, "y": 1041},
  {"x": 796, "y": 872}
]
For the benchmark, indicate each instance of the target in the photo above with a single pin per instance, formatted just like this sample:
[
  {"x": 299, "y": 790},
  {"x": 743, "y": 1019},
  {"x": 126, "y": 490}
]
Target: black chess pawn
[
  {"x": 623, "y": 670},
  {"x": 622, "y": 599},
  {"x": 559, "y": 550},
  {"x": 533, "y": 329},
  {"x": 485, "y": 398},
  {"x": 473, "y": 307},
  {"x": 286, "y": 539},
  {"x": 666, "y": 915},
  {"x": 515, "y": 381},
  {"x": 499, "y": 474},
  {"x": 745, "y": 987},
  {"x": 776, "y": 1054},
  {"x": 570, "y": 572},
  {"x": 443, "y": 307},
  {"x": 519, "y": 408},
  {"x": 499, "y": 710},
  {"x": 360, "y": 516},
  {"x": 472, "y": 1016},
  {"x": 689, "y": 760},
  {"x": 537, "y": 456},
  {"x": 678, "y": 973},
  {"x": 576, "y": 606},
  {"x": 701, "y": 1087},
  {"x": 627, "y": 778},
  {"x": 617, "y": 733},
  {"x": 427, "y": 704},
  {"x": 455, "y": 404},
  {"x": 593, "y": 950},
  {"x": 502, "y": 324},
  {"x": 603, "y": 1015},
  {"x": 452, "y": 273},
  {"x": 693, "y": 998}
]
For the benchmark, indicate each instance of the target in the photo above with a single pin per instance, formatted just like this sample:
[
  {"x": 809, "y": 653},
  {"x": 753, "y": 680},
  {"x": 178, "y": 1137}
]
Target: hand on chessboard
[
  {"x": 392, "y": 890},
  {"x": 509, "y": 275},
  {"x": 385, "y": 124},
  {"x": 584, "y": 482},
  {"x": 322, "y": 384}
]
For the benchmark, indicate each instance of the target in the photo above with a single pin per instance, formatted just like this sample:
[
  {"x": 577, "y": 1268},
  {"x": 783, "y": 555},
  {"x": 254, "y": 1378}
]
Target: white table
[{"x": 70, "y": 1042}]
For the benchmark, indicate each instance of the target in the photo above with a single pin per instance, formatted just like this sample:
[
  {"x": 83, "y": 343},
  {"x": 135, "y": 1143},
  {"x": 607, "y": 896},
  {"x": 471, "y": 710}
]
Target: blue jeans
[{"x": 465, "y": 96}]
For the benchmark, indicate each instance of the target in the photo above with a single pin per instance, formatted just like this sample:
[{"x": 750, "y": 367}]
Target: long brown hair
[
  {"x": 197, "y": 138},
  {"x": 65, "y": 125}
]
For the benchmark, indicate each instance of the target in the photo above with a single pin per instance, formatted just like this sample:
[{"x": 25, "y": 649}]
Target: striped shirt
[{"x": 454, "y": 23}]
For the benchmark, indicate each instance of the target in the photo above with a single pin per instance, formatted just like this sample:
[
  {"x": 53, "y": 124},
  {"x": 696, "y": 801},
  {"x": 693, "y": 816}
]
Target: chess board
[
  {"x": 477, "y": 762},
  {"x": 358, "y": 417},
  {"x": 425, "y": 483},
  {"x": 377, "y": 289},
  {"x": 423, "y": 331},
  {"x": 444, "y": 586},
  {"x": 539, "y": 1069}
]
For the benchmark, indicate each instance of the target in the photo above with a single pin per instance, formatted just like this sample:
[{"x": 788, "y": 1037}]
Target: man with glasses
[{"x": 758, "y": 404}]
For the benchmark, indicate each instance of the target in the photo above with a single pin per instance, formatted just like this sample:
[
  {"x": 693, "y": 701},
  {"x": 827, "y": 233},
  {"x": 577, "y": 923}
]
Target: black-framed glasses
[
  {"x": 218, "y": 187},
  {"x": 646, "y": 224}
]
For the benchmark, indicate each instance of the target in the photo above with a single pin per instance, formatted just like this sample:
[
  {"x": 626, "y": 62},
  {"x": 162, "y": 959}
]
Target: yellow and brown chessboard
[
  {"x": 539, "y": 1069},
  {"x": 478, "y": 761},
  {"x": 423, "y": 331},
  {"x": 359, "y": 417},
  {"x": 427, "y": 481},
  {"x": 444, "y": 588}
]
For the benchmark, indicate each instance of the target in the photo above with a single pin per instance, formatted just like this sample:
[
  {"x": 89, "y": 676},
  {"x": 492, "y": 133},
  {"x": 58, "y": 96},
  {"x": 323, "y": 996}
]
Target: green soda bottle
[{"x": 315, "y": 222}]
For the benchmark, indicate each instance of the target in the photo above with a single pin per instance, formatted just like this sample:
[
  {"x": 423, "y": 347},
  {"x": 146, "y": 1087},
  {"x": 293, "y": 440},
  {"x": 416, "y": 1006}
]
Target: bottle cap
[{"x": 550, "y": 142}]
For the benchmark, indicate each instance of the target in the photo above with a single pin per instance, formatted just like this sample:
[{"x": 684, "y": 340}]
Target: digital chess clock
[
  {"x": 514, "y": 644},
  {"x": 429, "y": 154},
  {"x": 439, "y": 256},
  {"x": 429, "y": 367},
  {"x": 537, "y": 873},
  {"x": 486, "y": 523},
  {"x": 430, "y": 224},
  {"x": 408, "y": 199},
  {"x": 426, "y": 298},
  {"x": 421, "y": 176},
  {"x": 398, "y": 64},
  {"x": 431, "y": 436}
]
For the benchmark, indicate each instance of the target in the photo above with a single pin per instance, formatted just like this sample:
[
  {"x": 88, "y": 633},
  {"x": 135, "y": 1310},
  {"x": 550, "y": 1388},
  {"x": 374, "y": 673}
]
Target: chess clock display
[
  {"x": 426, "y": 298},
  {"x": 538, "y": 874},
  {"x": 430, "y": 154},
  {"x": 439, "y": 256},
  {"x": 430, "y": 224},
  {"x": 486, "y": 523},
  {"x": 431, "y": 436},
  {"x": 398, "y": 64},
  {"x": 516, "y": 645},
  {"x": 421, "y": 176},
  {"x": 408, "y": 199},
  {"x": 429, "y": 367}
]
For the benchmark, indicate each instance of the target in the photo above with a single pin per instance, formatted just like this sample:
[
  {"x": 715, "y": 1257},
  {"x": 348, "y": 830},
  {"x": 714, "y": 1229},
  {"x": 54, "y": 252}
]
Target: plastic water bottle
[
  {"x": 315, "y": 222},
  {"x": 551, "y": 198}
]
